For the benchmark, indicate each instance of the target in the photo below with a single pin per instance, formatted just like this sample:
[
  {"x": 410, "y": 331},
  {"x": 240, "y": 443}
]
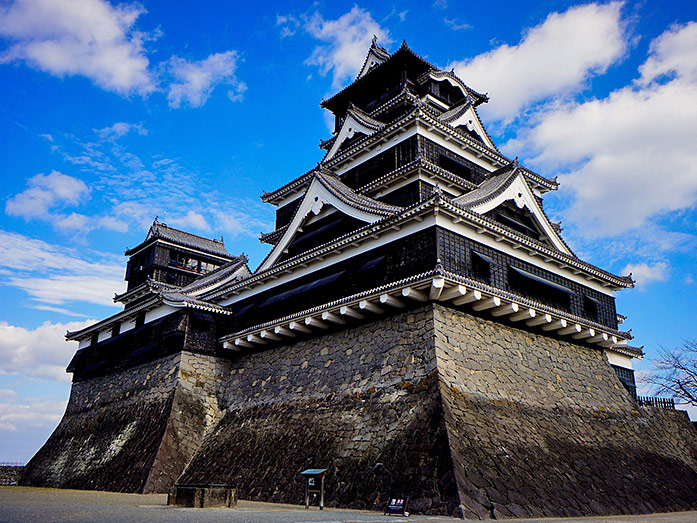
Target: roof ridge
[
  {"x": 161, "y": 224},
  {"x": 379, "y": 50},
  {"x": 364, "y": 117},
  {"x": 454, "y": 112},
  {"x": 342, "y": 191},
  {"x": 404, "y": 47}
]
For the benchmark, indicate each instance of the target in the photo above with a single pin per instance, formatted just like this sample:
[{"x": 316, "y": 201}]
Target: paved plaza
[{"x": 38, "y": 505}]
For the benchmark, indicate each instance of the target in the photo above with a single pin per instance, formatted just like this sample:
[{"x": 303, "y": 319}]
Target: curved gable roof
[
  {"x": 508, "y": 183},
  {"x": 161, "y": 231},
  {"x": 356, "y": 121},
  {"x": 326, "y": 189}
]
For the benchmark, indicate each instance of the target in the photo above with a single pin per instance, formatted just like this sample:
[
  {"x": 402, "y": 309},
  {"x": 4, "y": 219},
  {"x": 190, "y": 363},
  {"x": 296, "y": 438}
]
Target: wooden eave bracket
[{"x": 435, "y": 288}]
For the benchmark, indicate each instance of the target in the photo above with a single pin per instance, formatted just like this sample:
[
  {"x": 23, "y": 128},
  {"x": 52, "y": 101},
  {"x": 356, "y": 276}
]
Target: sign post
[{"x": 314, "y": 484}]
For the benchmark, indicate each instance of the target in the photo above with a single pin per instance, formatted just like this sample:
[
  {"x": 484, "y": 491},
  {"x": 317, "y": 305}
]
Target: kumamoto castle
[{"x": 419, "y": 328}]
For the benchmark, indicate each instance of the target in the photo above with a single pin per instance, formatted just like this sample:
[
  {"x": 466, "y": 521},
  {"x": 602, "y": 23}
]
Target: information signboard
[{"x": 397, "y": 506}]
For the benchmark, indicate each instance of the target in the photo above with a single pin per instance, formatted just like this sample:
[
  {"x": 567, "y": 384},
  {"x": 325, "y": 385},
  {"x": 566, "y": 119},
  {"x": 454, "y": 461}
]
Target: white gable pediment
[
  {"x": 318, "y": 196},
  {"x": 442, "y": 76},
  {"x": 471, "y": 121},
  {"x": 374, "y": 57},
  {"x": 353, "y": 124},
  {"x": 520, "y": 193}
]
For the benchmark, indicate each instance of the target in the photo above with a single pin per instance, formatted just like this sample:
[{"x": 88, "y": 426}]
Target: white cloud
[
  {"x": 193, "y": 220},
  {"x": 630, "y": 156},
  {"x": 243, "y": 223},
  {"x": 554, "y": 58},
  {"x": 64, "y": 288},
  {"x": 59, "y": 310},
  {"x": 90, "y": 38},
  {"x": 453, "y": 24},
  {"x": 97, "y": 40},
  {"x": 46, "y": 192},
  {"x": 73, "y": 222},
  {"x": 38, "y": 353},
  {"x": 152, "y": 186},
  {"x": 119, "y": 130},
  {"x": 7, "y": 394},
  {"x": 18, "y": 416},
  {"x": 52, "y": 275},
  {"x": 113, "y": 224},
  {"x": 672, "y": 53},
  {"x": 346, "y": 41},
  {"x": 643, "y": 273},
  {"x": 194, "y": 81},
  {"x": 289, "y": 25}
]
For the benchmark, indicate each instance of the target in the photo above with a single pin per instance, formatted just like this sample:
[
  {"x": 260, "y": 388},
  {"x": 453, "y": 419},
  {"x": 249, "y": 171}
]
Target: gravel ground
[{"x": 18, "y": 504}]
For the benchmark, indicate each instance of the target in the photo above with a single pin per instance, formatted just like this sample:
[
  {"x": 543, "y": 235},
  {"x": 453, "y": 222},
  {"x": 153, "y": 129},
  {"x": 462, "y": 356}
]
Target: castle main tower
[{"x": 419, "y": 328}]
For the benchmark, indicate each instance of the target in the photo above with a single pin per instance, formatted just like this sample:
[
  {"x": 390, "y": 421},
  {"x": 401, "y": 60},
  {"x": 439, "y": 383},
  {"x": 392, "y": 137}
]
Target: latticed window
[
  {"x": 481, "y": 267},
  {"x": 539, "y": 288}
]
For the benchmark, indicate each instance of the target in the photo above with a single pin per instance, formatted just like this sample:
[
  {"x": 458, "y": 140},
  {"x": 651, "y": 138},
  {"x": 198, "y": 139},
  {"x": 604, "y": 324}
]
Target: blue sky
[{"x": 112, "y": 114}]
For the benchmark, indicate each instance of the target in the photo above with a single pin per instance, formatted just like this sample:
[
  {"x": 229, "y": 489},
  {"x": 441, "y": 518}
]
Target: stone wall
[
  {"x": 541, "y": 427},
  {"x": 193, "y": 413},
  {"x": 464, "y": 415},
  {"x": 131, "y": 431},
  {"x": 362, "y": 402}
]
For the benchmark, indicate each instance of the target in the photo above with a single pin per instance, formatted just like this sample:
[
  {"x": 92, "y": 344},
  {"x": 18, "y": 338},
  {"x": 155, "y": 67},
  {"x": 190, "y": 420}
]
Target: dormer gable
[
  {"x": 508, "y": 184},
  {"x": 356, "y": 121},
  {"x": 464, "y": 117},
  {"x": 326, "y": 190},
  {"x": 376, "y": 55}
]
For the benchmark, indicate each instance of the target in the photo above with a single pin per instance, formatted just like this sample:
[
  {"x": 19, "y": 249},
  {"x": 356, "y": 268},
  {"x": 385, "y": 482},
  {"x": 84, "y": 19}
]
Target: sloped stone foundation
[
  {"x": 362, "y": 402},
  {"x": 373, "y": 446},
  {"x": 464, "y": 415},
  {"x": 540, "y": 427},
  {"x": 132, "y": 431}
]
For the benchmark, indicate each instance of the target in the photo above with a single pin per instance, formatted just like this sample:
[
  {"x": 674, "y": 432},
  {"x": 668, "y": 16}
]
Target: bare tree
[{"x": 675, "y": 372}]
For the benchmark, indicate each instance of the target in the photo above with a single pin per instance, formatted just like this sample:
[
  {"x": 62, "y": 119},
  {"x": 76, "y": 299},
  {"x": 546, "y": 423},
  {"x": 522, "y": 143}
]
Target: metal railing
[{"x": 661, "y": 403}]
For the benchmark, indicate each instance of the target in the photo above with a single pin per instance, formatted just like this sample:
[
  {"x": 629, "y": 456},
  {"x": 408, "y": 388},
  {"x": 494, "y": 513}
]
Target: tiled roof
[
  {"x": 273, "y": 236},
  {"x": 183, "y": 300},
  {"x": 495, "y": 184},
  {"x": 454, "y": 113},
  {"x": 300, "y": 181},
  {"x": 478, "y": 98},
  {"x": 364, "y": 118},
  {"x": 149, "y": 286},
  {"x": 180, "y": 297},
  {"x": 435, "y": 201},
  {"x": 380, "y": 52},
  {"x": 164, "y": 232},
  {"x": 403, "y": 48},
  {"x": 418, "y": 163},
  {"x": 349, "y": 196},
  {"x": 220, "y": 274},
  {"x": 327, "y": 144}
]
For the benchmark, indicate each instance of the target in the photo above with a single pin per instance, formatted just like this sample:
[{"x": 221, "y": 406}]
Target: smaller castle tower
[{"x": 172, "y": 256}]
